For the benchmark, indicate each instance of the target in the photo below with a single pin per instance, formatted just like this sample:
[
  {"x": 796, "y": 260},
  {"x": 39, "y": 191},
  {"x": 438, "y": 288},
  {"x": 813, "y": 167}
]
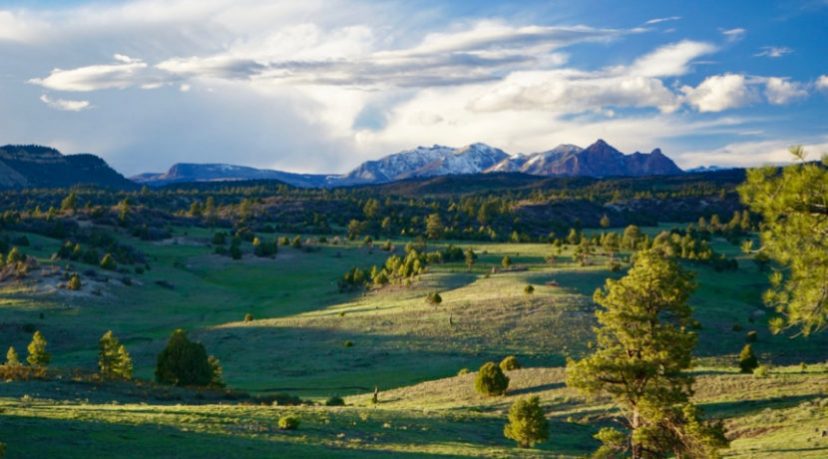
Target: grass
[{"x": 408, "y": 349}]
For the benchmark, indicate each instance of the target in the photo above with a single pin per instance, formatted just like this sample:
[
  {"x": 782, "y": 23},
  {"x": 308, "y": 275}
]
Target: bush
[
  {"x": 335, "y": 401},
  {"x": 509, "y": 363},
  {"x": 529, "y": 289},
  {"x": 463, "y": 371},
  {"x": 288, "y": 422},
  {"x": 248, "y": 317},
  {"x": 527, "y": 424},
  {"x": 761, "y": 371},
  {"x": 506, "y": 262},
  {"x": 108, "y": 263},
  {"x": 751, "y": 336},
  {"x": 74, "y": 282},
  {"x": 183, "y": 362},
  {"x": 348, "y": 343},
  {"x": 434, "y": 298},
  {"x": 490, "y": 380},
  {"x": 747, "y": 360}
]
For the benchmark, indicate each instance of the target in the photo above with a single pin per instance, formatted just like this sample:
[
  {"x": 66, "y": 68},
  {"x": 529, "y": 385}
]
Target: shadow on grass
[{"x": 750, "y": 407}]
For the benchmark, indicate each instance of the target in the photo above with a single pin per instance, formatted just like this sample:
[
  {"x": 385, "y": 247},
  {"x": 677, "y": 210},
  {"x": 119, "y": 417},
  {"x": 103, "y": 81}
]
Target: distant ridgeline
[
  {"x": 34, "y": 166},
  {"x": 597, "y": 160}
]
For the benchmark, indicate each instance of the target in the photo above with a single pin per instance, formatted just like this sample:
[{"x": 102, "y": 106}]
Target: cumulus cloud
[
  {"x": 65, "y": 104},
  {"x": 773, "y": 52},
  {"x": 720, "y": 92},
  {"x": 751, "y": 153},
  {"x": 780, "y": 91}
]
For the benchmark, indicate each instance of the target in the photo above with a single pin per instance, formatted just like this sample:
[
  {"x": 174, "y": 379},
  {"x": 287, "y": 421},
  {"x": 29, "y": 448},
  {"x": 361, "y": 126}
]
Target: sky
[{"x": 323, "y": 85}]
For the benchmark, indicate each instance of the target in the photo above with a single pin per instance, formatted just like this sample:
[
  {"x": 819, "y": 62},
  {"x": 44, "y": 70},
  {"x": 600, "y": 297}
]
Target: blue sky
[{"x": 320, "y": 86}]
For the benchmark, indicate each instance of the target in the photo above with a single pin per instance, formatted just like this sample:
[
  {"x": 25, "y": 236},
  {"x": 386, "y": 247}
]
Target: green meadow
[{"x": 309, "y": 340}]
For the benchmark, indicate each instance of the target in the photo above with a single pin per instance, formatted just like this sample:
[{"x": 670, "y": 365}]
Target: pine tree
[
  {"x": 123, "y": 368},
  {"x": 217, "y": 371},
  {"x": 114, "y": 362},
  {"x": 794, "y": 208},
  {"x": 527, "y": 423},
  {"x": 69, "y": 203},
  {"x": 108, "y": 262},
  {"x": 747, "y": 359},
  {"x": 643, "y": 352},
  {"x": 38, "y": 357},
  {"x": 12, "y": 359},
  {"x": 506, "y": 262},
  {"x": 434, "y": 226}
]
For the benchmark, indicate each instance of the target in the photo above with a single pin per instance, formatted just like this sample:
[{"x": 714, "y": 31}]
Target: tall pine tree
[{"x": 643, "y": 350}]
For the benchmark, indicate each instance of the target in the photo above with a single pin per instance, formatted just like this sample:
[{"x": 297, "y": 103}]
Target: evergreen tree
[
  {"x": 69, "y": 203},
  {"x": 527, "y": 423},
  {"x": 217, "y": 371},
  {"x": 434, "y": 226},
  {"x": 506, "y": 262},
  {"x": 38, "y": 357},
  {"x": 470, "y": 258},
  {"x": 605, "y": 221},
  {"x": 114, "y": 361},
  {"x": 643, "y": 352},
  {"x": 183, "y": 362},
  {"x": 747, "y": 359},
  {"x": 12, "y": 359},
  {"x": 793, "y": 203}
]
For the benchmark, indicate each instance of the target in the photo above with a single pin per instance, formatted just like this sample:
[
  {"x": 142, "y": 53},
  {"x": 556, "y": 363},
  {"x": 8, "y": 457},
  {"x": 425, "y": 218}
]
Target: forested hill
[{"x": 34, "y": 166}]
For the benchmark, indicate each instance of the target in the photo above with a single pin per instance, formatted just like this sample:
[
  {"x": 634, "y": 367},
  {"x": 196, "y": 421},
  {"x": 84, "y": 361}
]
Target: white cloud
[
  {"x": 733, "y": 35},
  {"x": 670, "y": 60},
  {"x": 660, "y": 20},
  {"x": 720, "y": 92},
  {"x": 65, "y": 104},
  {"x": 96, "y": 77},
  {"x": 822, "y": 83},
  {"x": 773, "y": 52},
  {"x": 780, "y": 91}
]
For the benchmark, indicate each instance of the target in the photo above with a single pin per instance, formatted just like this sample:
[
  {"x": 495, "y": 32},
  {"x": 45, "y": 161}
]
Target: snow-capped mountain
[
  {"x": 597, "y": 160},
  {"x": 427, "y": 162}
]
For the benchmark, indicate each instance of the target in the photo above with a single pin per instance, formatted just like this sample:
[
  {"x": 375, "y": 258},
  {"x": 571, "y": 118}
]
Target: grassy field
[{"x": 400, "y": 344}]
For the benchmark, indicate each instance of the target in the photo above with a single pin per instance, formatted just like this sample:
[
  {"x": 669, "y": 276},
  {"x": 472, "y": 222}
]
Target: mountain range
[
  {"x": 24, "y": 166},
  {"x": 597, "y": 160}
]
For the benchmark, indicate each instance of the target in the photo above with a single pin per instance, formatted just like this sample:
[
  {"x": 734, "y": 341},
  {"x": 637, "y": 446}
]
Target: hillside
[
  {"x": 191, "y": 173},
  {"x": 33, "y": 166}
]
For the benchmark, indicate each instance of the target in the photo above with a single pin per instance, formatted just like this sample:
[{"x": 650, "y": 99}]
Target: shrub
[
  {"x": 248, "y": 317},
  {"x": 527, "y": 424},
  {"x": 335, "y": 401},
  {"x": 463, "y": 371},
  {"x": 490, "y": 380},
  {"x": 434, "y": 298},
  {"x": 288, "y": 422},
  {"x": 761, "y": 371},
  {"x": 348, "y": 343},
  {"x": 74, "y": 282},
  {"x": 529, "y": 289},
  {"x": 183, "y": 362},
  {"x": 108, "y": 263},
  {"x": 747, "y": 360},
  {"x": 751, "y": 336},
  {"x": 509, "y": 363}
]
